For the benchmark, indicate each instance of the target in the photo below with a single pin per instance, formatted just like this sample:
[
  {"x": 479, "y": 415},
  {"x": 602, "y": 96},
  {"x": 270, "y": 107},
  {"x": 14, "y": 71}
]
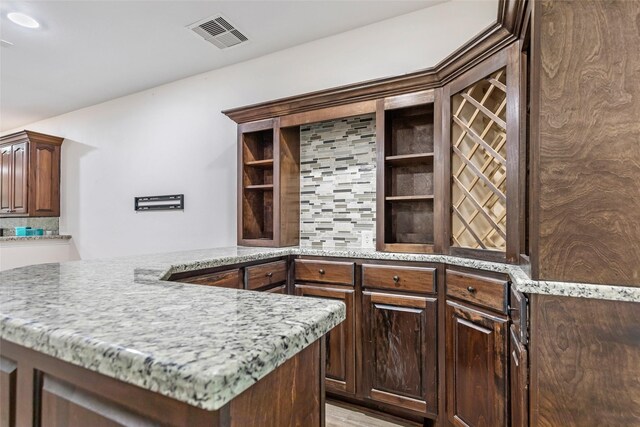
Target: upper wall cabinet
[
  {"x": 268, "y": 184},
  {"x": 30, "y": 175},
  {"x": 406, "y": 183},
  {"x": 481, "y": 138}
]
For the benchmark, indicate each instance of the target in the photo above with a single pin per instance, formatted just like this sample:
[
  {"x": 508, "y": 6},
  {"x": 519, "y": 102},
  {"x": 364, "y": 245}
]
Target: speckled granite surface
[
  {"x": 201, "y": 345},
  {"x": 31, "y": 238}
]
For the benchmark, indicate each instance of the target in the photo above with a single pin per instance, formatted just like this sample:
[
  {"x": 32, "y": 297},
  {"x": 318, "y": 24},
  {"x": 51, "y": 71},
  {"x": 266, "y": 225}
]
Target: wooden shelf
[
  {"x": 265, "y": 187},
  {"x": 266, "y": 163},
  {"x": 408, "y": 198},
  {"x": 409, "y": 159}
]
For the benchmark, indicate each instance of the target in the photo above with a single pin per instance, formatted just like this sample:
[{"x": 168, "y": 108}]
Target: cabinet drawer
[
  {"x": 414, "y": 279},
  {"x": 261, "y": 275},
  {"x": 222, "y": 279},
  {"x": 340, "y": 273},
  {"x": 482, "y": 291},
  {"x": 282, "y": 289}
]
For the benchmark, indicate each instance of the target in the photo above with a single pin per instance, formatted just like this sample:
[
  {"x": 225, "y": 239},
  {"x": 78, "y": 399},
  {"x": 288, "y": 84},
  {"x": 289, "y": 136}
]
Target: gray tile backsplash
[
  {"x": 47, "y": 223},
  {"x": 337, "y": 182}
]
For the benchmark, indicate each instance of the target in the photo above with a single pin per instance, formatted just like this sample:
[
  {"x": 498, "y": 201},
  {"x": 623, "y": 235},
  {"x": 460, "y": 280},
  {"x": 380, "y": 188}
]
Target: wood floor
[{"x": 337, "y": 416}]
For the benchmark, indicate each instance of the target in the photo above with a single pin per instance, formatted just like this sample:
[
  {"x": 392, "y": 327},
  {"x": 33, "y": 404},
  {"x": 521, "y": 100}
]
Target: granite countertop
[
  {"x": 201, "y": 345},
  {"x": 197, "y": 344},
  {"x": 30, "y": 238}
]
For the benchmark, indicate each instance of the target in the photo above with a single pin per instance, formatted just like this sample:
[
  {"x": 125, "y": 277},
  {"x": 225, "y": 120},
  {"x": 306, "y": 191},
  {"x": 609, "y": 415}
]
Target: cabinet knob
[
  {"x": 321, "y": 271},
  {"x": 269, "y": 274},
  {"x": 471, "y": 289},
  {"x": 396, "y": 279}
]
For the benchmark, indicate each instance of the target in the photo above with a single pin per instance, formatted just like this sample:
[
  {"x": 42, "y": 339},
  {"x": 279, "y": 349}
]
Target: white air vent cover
[{"x": 218, "y": 31}]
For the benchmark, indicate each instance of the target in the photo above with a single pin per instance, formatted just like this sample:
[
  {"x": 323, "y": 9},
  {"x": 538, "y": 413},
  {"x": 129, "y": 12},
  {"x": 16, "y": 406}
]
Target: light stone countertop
[
  {"x": 198, "y": 344},
  {"x": 32, "y": 238},
  {"x": 201, "y": 345}
]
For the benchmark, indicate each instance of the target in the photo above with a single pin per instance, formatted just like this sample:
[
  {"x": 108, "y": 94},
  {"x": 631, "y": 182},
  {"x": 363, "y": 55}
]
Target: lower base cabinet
[
  {"x": 400, "y": 351},
  {"x": 340, "y": 341},
  {"x": 476, "y": 360}
]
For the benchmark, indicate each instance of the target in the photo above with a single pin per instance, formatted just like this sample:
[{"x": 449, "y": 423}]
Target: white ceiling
[{"x": 88, "y": 51}]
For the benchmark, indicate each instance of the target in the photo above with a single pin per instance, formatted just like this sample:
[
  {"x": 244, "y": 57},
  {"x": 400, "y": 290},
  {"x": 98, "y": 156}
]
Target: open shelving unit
[
  {"x": 269, "y": 184},
  {"x": 405, "y": 178},
  {"x": 257, "y": 184}
]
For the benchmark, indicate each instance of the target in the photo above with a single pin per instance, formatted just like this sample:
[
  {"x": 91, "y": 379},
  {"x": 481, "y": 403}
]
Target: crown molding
[{"x": 506, "y": 29}]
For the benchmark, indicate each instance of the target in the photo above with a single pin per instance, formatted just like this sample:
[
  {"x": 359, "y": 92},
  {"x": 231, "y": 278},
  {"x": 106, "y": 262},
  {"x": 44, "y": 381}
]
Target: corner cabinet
[
  {"x": 268, "y": 184},
  {"x": 30, "y": 175}
]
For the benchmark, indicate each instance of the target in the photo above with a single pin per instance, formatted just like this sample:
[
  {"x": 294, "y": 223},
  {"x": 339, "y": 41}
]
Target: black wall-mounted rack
[{"x": 160, "y": 203}]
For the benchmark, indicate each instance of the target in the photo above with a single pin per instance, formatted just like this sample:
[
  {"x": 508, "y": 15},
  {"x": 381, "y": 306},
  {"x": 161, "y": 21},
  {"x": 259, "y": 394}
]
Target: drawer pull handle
[
  {"x": 321, "y": 271},
  {"x": 471, "y": 289},
  {"x": 396, "y": 279},
  {"x": 269, "y": 274}
]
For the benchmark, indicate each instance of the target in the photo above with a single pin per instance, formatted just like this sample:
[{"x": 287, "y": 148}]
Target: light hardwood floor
[{"x": 337, "y": 416}]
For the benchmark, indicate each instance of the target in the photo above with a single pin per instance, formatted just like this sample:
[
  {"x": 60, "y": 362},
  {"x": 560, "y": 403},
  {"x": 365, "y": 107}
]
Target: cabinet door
[
  {"x": 519, "y": 381},
  {"x": 19, "y": 171},
  {"x": 45, "y": 190},
  {"x": 340, "y": 344},
  {"x": 400, "y": 351},
  {"x": 476, "y": 367},
  {"x": 5, "y": 178}
]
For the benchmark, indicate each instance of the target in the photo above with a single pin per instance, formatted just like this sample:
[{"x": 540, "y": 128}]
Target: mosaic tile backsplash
[{"x": 338, "y": 183}]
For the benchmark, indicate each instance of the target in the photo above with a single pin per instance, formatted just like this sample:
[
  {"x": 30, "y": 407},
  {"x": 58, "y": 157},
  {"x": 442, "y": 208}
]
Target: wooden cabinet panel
[
  {"x": 400, "y": 351},
  {"x": 8, "y": 378},
  {"x": 45, "y": 175},
  {"x": 476, "y": 367},
  {"x": 340, "y": 341},
  {"x": 518, "y": 381},
  {"x": 479, "y": 290},
  {"x": 19, "y": 171},
  {"x": 324, "y": 271},
  {"x": 259, "y": 276},
  {"x": 414, "y": 279},
  {"x": 222, "y": 279},
  {"x": 5, "y": 178},
  {"x": 282, "y": 289},
  {"x": 30, "y": 174}
]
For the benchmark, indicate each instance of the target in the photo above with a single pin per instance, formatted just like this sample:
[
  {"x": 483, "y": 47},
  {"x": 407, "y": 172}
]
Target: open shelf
[
  {"x": 259, "y": 187},
  {"x": 266, "y": 163},
  {"x": 408, "y": 198},
  {"x": 408, "y": 179},
  {"x": 409, "y": 159}
]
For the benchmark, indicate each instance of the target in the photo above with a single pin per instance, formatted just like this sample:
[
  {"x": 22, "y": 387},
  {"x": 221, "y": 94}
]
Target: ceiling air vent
[{"x": 218, "y": 31}]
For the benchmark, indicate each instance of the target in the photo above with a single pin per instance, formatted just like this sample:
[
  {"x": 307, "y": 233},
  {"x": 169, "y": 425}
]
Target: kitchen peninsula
[{"x": 108, "y": 342}]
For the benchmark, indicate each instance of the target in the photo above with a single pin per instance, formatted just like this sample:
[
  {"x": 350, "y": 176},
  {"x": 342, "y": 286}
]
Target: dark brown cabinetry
[
  {"x": 333, "y": 280},
  {"x": 268, "y": 184},
  {"x": 405, "y": 182},
  {"x": 340, "y": 341},
  {"x": 268, "y": 277},
  {"x": 476, "y": 357},
  {"x": 483, "y": 159},
  {"x": 477, "y": 343},
  {"x": 30, "y": 174},
  {"x": 222, "y": 279},
  {"x": 400, "y": 351}
]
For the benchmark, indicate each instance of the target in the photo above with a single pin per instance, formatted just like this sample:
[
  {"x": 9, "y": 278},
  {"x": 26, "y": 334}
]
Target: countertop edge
[
  {"x": 164, "y": 377},
  {"x": 34, "y": 238}
]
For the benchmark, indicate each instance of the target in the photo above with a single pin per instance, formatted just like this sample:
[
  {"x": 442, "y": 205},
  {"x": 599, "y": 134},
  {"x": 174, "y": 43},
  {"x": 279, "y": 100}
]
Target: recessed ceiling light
[{"x": 23, "y": 20}]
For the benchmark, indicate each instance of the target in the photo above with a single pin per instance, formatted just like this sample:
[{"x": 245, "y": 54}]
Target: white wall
[
  {"x": 15, "y": 254},
  {"x": 173, "y": 138}
]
